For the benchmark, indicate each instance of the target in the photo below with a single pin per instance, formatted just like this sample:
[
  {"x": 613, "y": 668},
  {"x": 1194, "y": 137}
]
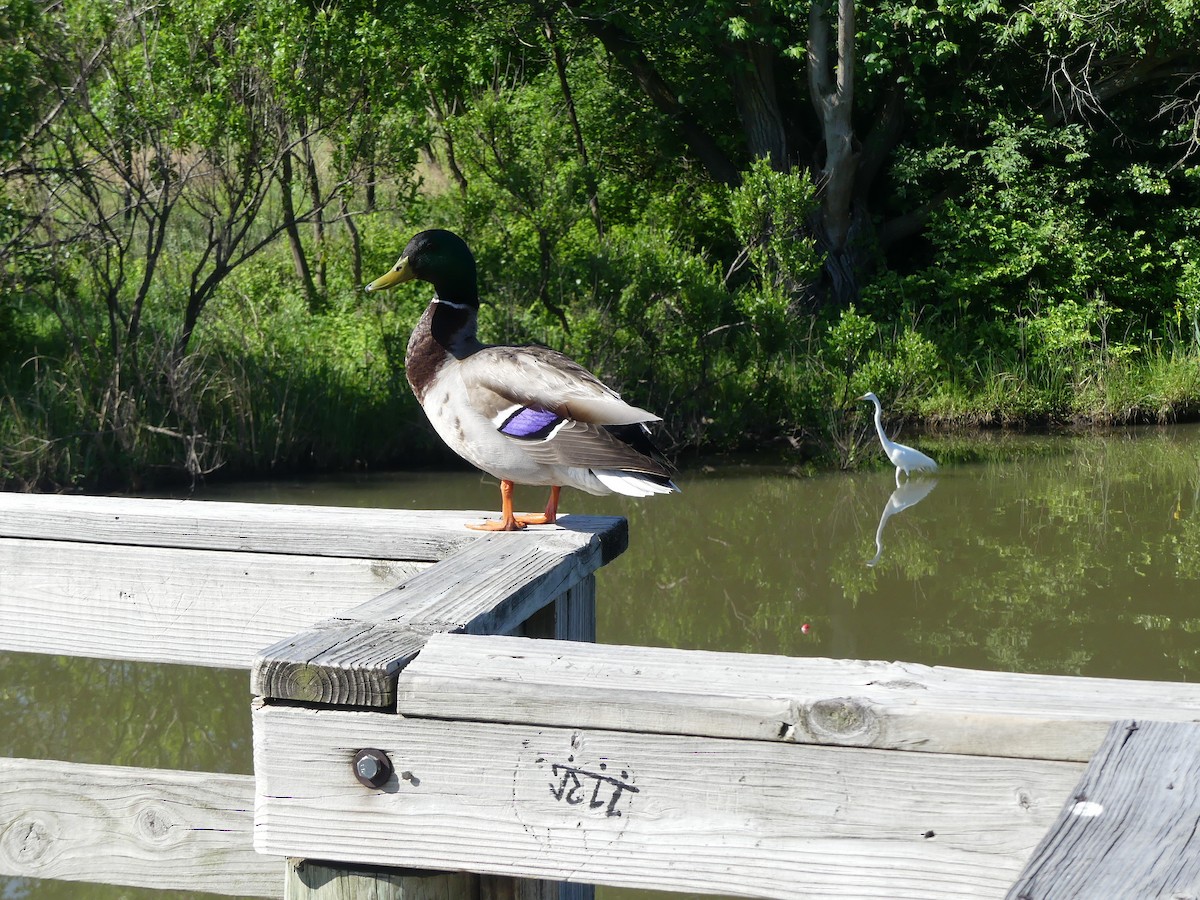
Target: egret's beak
[{"x": 400, "y": 273}]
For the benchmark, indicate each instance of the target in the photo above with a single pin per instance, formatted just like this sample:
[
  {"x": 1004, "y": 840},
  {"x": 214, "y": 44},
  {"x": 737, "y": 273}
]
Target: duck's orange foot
[
  {"x": 507, "y": 523},
  {"x": 534, "y": 519}
]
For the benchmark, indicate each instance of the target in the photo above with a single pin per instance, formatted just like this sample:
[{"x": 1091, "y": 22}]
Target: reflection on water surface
[{"x": 1065, "y": 555}]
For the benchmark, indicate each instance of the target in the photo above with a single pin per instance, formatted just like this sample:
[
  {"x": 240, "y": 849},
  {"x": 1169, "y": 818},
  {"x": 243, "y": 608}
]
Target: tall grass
[{"x": 1159, "y": 384}]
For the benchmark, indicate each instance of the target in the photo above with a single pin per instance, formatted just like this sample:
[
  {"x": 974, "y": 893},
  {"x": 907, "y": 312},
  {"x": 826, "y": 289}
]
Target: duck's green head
[{"x": 440, "y": 257}]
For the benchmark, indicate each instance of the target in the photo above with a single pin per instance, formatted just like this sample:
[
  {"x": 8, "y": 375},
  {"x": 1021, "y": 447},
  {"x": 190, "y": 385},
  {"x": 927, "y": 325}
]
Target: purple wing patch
[{"x": 530, "y": 424}]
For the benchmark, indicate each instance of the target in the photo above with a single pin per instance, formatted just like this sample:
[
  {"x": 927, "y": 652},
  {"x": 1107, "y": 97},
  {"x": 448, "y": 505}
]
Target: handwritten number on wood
[{"x": 606, "y": 790}]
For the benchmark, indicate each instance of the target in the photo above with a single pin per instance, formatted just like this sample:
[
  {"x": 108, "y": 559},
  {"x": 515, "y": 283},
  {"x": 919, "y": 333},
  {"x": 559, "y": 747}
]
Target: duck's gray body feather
[{"x": 530, "y": 415}]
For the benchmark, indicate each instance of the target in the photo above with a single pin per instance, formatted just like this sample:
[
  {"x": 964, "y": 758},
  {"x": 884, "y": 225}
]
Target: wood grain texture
[
  {"x": 187, "y": 831},
  {"x": 746, "y": 818},
  {"x": 575, "y": 613},
  {"x": 1130, "y": 828},
  {"x": 408, "y": 534},
  {"x": 253, "y": 527},
  {"x": 772, "y": 698},
  {"x": 489, "y": 586},
  {"x": 161, "y": 604},
  {"x": 572, "y": 616}
]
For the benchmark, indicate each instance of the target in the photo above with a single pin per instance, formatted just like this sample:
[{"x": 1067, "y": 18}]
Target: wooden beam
[
  {"x": 901, "y": 706},
  {"x": 162, "y": 604},
  {"x": 673, "y": 812},
  {"x": 406, "y": 534},
  {"x": 572, "y": 616},
  {"x": 1131, "y": 827},
  {"x": 489, "y": 586},
  {"x": 188, "y": 831}
]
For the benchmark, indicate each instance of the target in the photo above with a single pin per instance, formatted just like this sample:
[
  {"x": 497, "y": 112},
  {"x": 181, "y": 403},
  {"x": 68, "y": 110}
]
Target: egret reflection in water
[{"x": 910, "y": 493}]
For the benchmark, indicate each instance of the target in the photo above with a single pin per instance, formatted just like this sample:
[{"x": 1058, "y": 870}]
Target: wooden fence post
[
  {"x": 571, "y": 616},
  {"x": 309, "y": 880}
]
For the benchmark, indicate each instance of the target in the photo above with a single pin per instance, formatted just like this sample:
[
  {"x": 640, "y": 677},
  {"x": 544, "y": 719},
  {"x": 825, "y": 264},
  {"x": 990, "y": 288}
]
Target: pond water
[{"x": 1068, "y": 555}]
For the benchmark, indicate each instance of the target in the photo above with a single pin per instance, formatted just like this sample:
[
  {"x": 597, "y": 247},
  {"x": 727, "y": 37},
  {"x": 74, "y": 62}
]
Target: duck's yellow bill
[{"x": 399, "y": 274}]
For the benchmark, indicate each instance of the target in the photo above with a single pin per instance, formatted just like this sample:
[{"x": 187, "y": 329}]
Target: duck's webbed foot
[
  {"x": 512, "y": 523},
  {"x": 545, "y": 518}
]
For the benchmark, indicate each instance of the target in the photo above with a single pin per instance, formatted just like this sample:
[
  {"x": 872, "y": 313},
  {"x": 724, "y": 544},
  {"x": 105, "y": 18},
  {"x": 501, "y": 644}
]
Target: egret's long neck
[{"x": 879, "y": 425}]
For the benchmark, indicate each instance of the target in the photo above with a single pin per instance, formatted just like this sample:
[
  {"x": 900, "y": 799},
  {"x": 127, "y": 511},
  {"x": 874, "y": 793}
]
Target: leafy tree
[{"x": 699, "y": 200}]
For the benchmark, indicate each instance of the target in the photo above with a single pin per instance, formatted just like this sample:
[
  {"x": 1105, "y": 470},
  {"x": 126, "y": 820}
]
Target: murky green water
[{"x": 1074, "y": 555}]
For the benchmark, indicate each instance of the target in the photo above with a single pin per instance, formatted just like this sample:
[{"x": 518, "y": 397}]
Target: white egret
[{"x": 904, "y": 458}]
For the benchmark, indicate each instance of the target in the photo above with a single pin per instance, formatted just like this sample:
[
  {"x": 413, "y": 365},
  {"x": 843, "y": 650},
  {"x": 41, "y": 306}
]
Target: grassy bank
[{"x": 272, "y": 386}]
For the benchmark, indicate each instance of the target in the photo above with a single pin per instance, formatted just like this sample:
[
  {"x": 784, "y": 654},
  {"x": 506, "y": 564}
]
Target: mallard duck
[
  {"x": 525, "y": 415},
  {"x": 903, "y": 457}
]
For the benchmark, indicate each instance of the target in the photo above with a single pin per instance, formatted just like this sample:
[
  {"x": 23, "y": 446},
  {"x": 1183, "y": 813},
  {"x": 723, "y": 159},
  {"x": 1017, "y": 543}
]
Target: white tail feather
[{"x": 631, "y": 484}]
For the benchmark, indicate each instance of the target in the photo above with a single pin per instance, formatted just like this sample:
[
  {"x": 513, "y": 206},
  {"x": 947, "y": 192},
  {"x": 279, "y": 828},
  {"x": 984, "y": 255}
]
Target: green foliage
[
  {"x": 1057, "y": 272},
  {"x": 769, "y": 212},
  {"x": 19, "y": 90}
]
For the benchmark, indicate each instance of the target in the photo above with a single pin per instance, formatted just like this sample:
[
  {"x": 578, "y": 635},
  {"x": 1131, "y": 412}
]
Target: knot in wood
[
  {"x": 153, "y": 825},
  {"x": 26, "y": 841},
  {"x": 841, "y": 720}
]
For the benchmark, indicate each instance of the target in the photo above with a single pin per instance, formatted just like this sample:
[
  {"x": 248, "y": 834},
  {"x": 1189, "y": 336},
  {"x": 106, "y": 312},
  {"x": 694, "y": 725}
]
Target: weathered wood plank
[
  {"x": 773, "y": 698},
  {"x": 575, "y": 613},
  {"x": 407, "y": 534},
  {"x": 188, "y": 831},
  {"x": 572, "y": 616},
  {"x": 491, "y": 585},
  {"x": 159, "y": 604},
  {"x": 746, "y": 818},
  {"x": 335, "y": 663},
  {"x": 1132, "y": 826},
  {"x": 525, "y": 570}
]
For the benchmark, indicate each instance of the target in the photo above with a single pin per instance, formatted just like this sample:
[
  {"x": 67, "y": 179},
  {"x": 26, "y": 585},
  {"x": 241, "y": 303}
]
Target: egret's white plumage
[{"x": 903, "y": 457}]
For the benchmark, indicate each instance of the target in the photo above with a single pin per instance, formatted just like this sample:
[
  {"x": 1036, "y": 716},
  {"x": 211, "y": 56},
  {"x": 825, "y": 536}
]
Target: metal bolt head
[{"x": 372, "y": 768}]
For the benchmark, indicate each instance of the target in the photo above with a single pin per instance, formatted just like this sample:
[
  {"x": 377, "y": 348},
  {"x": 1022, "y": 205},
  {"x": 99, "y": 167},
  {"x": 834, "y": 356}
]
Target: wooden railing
[
  {"x": 400, "y": 725},
  {"x": 341, "y": 598}
]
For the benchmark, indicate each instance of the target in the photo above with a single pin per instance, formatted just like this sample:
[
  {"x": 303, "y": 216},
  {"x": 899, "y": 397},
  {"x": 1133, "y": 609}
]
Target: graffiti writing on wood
[{"x": 599, "y": 790}]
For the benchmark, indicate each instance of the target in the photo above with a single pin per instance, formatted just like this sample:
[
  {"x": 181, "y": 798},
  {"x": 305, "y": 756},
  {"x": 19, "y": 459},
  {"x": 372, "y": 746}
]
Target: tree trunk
[
  {"x": 758, "y": 105},
  {"x": 560, "y": 66},
  {"x": 628, "y": 52},
  {"x": 439, "y": 116},
  {"x": 299, "y": 260},
  {"x": 355, "y": 240},
  {"x": 314, "y": 192},
  {"x": 833, "y": 99},
  {"x": 842, "y": 227}
]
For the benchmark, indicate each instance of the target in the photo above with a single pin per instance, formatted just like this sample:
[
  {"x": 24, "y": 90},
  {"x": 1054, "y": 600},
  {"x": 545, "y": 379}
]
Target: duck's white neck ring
[{"x": 451, "y": 303}]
